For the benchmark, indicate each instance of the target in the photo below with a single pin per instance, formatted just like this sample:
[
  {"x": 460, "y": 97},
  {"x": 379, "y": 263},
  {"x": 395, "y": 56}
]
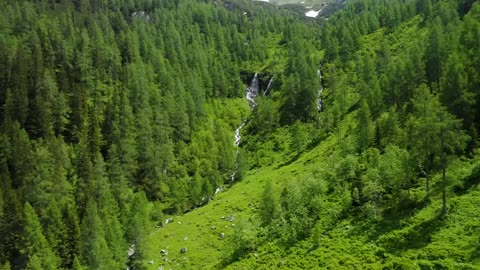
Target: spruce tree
[{"x": 35, "y": 247}]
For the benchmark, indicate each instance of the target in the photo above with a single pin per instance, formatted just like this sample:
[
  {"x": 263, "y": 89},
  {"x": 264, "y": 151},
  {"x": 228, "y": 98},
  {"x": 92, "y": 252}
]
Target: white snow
[{"x": 312, "y": 13}]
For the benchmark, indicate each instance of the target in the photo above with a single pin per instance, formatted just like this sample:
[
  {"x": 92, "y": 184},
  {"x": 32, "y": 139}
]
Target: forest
[{"x": 127, "y": 140}]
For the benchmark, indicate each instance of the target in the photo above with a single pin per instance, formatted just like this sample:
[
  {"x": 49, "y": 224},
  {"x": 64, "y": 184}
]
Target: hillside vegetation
[
  {"x": 385, "y": 177},
  {"x": 118, "y": 120}
]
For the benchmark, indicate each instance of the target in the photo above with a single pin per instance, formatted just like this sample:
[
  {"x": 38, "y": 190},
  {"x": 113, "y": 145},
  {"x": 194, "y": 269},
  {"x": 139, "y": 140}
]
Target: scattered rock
[
  {"x": 255, "y": 254},
  {"x": 213, "y": 227},
  {"x": 183, "y": 250},
  {"x": 222, "y": 235},
  {"x": 166, "y": 259},
  {"x": 168, "y": 220},
  {"x": 151, "y": 262},
  {"x": 160, "y": 268},
  {"x": 231, "y": 218},
  {"x": 223, "y": 217},
  {"x": 179, "y": 222},
  {"x": 186, "y": 238},
  {"x": 164, "y": 252}
]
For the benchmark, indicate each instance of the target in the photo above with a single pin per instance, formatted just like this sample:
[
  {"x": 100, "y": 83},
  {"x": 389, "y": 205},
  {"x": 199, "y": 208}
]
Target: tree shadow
[
  {"x": 416, "y": 237},
  {"x": 476, "y": 252},
  {"x": 468, "y": 182},
  {"x": 391, "y": 220}
]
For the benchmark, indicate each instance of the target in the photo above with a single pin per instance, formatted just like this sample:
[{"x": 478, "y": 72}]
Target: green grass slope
[
  {"x": 408, "y": 232},
  {"x": 199, "y": 230},
  {"x": 416, "y": 238}
]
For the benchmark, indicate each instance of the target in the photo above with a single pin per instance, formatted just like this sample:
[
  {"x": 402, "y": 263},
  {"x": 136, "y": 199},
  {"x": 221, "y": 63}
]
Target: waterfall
[
  {"x": 237, "y": 139},
  {"x": 319, "y": 95},
  {"x": 250, "y": 94},
  {"x": 269, "y": 85},
  {"x": 252, "y": 91}
]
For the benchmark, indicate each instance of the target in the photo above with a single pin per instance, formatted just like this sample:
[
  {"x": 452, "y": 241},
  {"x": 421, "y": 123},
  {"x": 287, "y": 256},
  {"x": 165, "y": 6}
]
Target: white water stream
[
  {"x": 250, "y": 94},
  {"x": 319, "y": 94}
]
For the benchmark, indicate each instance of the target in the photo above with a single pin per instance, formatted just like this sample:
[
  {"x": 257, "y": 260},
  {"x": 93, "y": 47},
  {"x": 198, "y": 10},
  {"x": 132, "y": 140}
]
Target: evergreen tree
[
  {"x": 435, "y": 135},
  {"x": 365, "y": 127},
  {"x": 93, "y": 248},
  {"x": 35, "y": 246},
  {"x": 268, "y": 204}
]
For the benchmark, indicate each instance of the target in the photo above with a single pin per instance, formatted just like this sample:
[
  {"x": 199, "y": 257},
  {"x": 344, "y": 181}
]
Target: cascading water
[
  {"x": 268, "y": 85},
  {"x": 252, "y": 91},
  {"x": 236, "y": 142},
  {"x": 319, "y": 95},
  {"x": 250, "y": 94}
]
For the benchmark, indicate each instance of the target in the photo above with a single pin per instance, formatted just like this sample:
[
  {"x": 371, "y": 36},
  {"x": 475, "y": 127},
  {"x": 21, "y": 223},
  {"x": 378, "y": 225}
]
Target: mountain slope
[
  {"x": 379, "y": 179},
  {"x": 412, "y": 238}
]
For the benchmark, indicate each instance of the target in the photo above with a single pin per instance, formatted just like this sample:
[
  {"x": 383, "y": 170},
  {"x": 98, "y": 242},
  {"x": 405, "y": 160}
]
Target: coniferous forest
[{"x": 199, "y": 134}]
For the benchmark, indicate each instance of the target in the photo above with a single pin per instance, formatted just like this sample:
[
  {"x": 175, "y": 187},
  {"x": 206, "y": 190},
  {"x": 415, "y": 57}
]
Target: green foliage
[
  {"x": 35, "y": 246},
  {"x": 299, "y": 138},
  {"x": 116, "y": 114},
  {"x": 268, "y": 204},
  {"x": 244, "y": 240}
]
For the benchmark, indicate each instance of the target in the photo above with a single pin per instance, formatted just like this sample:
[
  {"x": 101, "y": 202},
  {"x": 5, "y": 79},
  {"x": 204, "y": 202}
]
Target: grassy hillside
[
  {"x": 370, "y": 208},
  {"x": 205, "y": 247},
  {"x": 415, "y": 238}
]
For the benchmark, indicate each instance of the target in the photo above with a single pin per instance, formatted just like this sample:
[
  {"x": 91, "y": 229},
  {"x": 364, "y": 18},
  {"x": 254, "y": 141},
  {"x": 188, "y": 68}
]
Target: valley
[{"x": 140, "y": 134}]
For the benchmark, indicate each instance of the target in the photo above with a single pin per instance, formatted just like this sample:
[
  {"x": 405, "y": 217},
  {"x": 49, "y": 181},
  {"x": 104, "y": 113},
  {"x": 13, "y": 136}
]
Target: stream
[
  {"x": 250, "y": 94},
  {"x": 319, "y": 94}
]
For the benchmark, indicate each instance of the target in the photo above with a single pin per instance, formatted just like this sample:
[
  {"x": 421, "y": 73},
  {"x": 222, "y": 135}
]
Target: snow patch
[{"x": 312, "y": 13}]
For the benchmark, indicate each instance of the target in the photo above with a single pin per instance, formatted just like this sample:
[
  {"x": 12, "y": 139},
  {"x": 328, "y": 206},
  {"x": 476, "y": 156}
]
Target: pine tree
[
  {"x": 365, "y": 127},
  {"x": 139, "y": 226},
  {"x": 268, "y": 204},
  {"x": 35, "y": 246},
  {"x": 435, "y": 134},
  {"x": 435, "y": 54},
  {"x": 94, "y": 250}
]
